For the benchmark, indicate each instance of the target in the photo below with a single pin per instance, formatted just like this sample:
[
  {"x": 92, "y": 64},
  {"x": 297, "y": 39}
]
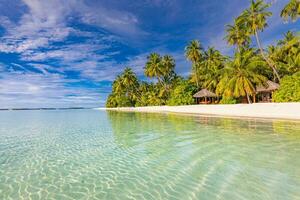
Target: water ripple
[{"x": 97, "y": 155}]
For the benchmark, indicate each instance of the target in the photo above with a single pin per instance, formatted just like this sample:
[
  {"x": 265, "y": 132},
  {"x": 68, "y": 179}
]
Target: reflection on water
[{"x": 92, "y": 154}]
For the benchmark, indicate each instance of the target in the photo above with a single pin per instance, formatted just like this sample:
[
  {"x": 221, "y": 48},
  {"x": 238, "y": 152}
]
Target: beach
[{"x": 257, "y": 110}]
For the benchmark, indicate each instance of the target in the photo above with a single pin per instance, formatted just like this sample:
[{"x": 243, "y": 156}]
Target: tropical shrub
[
  {"x": 228, "y": 100},
  {"x": 118, "y": 101},
  {"x": 182, "y": 94},
  {"x": 289, "y": 90}
]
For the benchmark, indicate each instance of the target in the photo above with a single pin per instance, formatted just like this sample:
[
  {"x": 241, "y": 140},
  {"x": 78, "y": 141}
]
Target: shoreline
[{"x": 287, "y": 111}]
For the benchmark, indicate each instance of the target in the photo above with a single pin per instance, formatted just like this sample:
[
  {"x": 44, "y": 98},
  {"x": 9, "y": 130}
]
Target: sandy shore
[{"x": 259, "y": 110}]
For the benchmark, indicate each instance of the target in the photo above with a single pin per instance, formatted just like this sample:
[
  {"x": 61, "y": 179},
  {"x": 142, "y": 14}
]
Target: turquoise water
[{"x": 89, "y": 154}]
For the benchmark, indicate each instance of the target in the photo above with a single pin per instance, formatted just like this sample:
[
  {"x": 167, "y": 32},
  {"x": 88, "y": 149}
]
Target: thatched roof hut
[
  {"x": 204, "y": 93},
  {"x": 271, "y": 86},
  {"x": 265, "y": 92}
]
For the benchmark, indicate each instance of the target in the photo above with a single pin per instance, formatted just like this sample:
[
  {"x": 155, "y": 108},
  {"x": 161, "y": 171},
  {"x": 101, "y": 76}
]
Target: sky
[{"x": 66, "y": 53}]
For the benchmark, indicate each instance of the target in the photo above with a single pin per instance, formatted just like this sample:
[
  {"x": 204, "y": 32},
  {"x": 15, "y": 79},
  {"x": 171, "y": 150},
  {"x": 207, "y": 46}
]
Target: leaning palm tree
[
  {"x": 255, "y": 20},
  {"x": 240, "y": 77},
  {"x": 238, "y": 35},
  {"x": 193, "y": 52},
  {"x": 291, "y": 10}
]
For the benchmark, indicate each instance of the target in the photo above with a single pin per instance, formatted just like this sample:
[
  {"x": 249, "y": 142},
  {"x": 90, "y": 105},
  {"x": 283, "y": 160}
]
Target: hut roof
[
  {"x": 271, "y": 86},
  {"x": 204, "y": 93}
]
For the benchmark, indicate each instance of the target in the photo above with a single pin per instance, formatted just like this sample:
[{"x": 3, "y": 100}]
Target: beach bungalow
[
  {"x": 205, "y": 96},
  {"x": 265, "y": 93}
]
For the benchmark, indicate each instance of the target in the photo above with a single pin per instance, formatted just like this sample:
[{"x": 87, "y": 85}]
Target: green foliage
[
  {"x": 228, "y": 100},
  {"x": 211, "y": 68},
  {"x": 237, "y": 34},
  {"x": 150, "y": 95},
  {"x": 182, "y": 94},
  {"x": 291, "y": 10},
  {"x": 159, "y": 67},
  {"x": 254, "y": 18},
  {"x": 289, "y": 90},
  {"x": 286, "y": 54},
  {"x": 240, "y": 76},
  {"x": 125, "y": 91},
  {"x": 118, "y": 101}
]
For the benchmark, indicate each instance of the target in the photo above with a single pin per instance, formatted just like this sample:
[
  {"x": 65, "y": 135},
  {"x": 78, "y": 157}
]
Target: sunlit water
[{"x": 90, "y": 154}]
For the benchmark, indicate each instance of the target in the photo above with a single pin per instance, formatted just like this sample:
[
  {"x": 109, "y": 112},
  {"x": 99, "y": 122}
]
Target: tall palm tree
[
  {"x": 154, "y": 67},
  {"x": 240, "y": 76},
  {"x": 237, "y": 35},
  {"x": 193, "y": 52},
  {"x": 168, "y": 74},
  {"x": 255, "y": 20},
  {"x": 291, "y": 10}
]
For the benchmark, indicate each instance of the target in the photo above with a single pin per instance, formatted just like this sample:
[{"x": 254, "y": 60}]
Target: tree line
[{"x": 231, "y": 77}]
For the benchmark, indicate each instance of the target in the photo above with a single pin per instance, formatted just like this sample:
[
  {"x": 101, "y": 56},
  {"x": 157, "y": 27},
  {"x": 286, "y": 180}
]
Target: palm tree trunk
[
  {"x": 196, "y": 71},
  {"x": 248, "y": 98},
  {"x": 265, "y": 58},
  {"x": 138, "y": 93},
  {"x": 238, "y": 48}
]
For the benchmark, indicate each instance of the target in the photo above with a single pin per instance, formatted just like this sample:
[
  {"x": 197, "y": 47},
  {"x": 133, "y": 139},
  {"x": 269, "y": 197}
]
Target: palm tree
[
  {"x": 168, "y": 65},
  {"x": 130, "y": 82},
  {"x": 288, "y": 36},
  {"x": 213, "y": 63},
  {"x": 111, "y": 101},
  {"x": 237, "y": 35},
  {"x": 193, "y": 52},
  {"x": 240, "y": 77},
  {"x": 255, "y": 19},
  {"x": 117, "y": 85},
  {"x": 291, "y": 10},
  {"x": 287, "y": 53},
  {"x": 154, "y": 67}
]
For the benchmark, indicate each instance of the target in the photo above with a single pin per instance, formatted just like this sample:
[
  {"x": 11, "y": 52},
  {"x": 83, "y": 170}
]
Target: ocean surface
[{"x": 92, "y": 154}]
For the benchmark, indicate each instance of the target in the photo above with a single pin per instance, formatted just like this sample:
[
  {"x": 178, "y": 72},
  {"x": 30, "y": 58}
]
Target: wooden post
[
  {"x": 254, "y": 98},
  {"x": 272, "y": 92},
  {"x": 205, "y": 100}
]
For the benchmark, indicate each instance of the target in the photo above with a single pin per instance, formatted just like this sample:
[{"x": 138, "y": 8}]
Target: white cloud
[
  {"x": 38, "y": 90},
  {"x": 48, "y": 21}
]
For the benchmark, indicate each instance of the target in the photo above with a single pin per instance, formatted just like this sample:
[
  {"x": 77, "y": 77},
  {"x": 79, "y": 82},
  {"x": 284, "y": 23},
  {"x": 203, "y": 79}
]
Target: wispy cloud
[{"x": 35, "y": 90}]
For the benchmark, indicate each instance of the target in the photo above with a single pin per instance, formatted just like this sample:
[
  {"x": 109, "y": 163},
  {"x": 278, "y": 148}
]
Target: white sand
[{"x": 261, "y": 110}]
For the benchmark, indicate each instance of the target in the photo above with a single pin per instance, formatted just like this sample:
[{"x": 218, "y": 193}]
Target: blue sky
[{"x": 62, "y": 53}]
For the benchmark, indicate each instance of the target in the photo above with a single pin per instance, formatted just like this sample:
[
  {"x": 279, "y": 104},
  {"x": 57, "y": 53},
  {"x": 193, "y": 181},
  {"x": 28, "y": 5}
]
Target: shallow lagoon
[{"x": 90, "y": 154}]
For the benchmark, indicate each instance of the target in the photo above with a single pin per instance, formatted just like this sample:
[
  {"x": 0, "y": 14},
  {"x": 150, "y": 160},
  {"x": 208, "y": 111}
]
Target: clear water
[{"x": 89, "y": 154}]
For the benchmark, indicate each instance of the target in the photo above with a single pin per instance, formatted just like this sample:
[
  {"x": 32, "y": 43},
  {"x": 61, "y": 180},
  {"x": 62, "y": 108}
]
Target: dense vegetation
[
  {"x": 232, "y": 78},
  {"x": 289, "y": 90}
]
